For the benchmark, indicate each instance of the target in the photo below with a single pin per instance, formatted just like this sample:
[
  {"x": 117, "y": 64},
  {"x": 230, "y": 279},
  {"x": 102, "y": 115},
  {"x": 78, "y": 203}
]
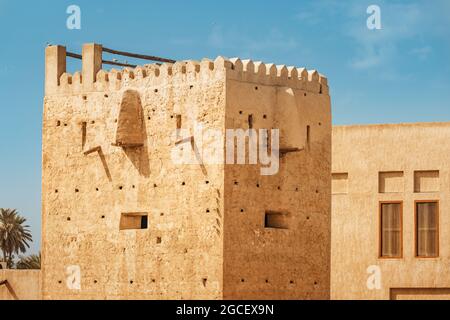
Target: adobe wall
[
  {"x": 21, "y": 285},
  {"x": 271, "y": 263},
  {"x": 362, "y": 152},
  {"x": 86, "y": 189}
]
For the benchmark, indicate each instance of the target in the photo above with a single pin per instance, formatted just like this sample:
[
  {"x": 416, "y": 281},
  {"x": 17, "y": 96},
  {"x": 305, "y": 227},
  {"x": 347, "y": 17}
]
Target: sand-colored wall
[
  {"x": 198, "y": 244},
  {"x": 362, "y": 152},
  {"x": 21, "y": 285},
  {"x": 292, "y": 263},
  {"x": 179, "y": 256}
]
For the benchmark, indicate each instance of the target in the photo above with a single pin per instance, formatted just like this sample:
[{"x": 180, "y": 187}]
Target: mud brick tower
[{"x": 122, "y": 219}]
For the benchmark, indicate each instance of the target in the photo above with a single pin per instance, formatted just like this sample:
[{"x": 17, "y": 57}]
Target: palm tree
[
  {"x": 14, "y": 235},
  {"x": 33, "y": 261}
]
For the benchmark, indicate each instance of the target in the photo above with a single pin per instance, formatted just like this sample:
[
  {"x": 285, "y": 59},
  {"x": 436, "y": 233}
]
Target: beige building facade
[
  {"x": 391, "y": 211},
  {"x": 129, "y": 211}
]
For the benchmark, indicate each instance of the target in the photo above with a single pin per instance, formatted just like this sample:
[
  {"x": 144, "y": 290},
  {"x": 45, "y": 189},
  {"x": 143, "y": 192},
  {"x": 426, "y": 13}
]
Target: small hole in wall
[
  {"x": 158, "y": 240},
  {"x": 267, "y": 280},
  {"x": 242, "y": 210},
  {"x": 92, "y": 122},
  {"x": 191, "y": 86},
  {"x": 59, "y": 281},
  {"x": 65, "y": 124},
  {"x": 162, "y": 214},
  {"x": 279, "y": 188},
  {"x": 76, "y": 190},
  {"x": 68, "y": 218},
  {"x": 207, "y": 211},
  {"x": 133, "y": 186},
  {"x": 171, "y": 116},
  {"x": 183, "y": 183},
  {"x": 56, "y": 190},
  {"x": 149, "y": 118},
  {"x": 242, "y": 280},
  {"x": 240, "y": 112},
  {"x": 106, "y": 96},
  {"x": 291, "y": 282},
  {"x": 103, "y": 217},
  {"x": 317, "y": 191},
  {"x": 307, "y": 218},
  {"x": 265, "y": 116},
  {"x": 296, "y": 189},
  {"x": 84, "y": 97},
  {"x": 153, "y": 280},
  {"x": 304, "y": 94},
  {"x": 204, "y": 280},
  {"x": 315, "y": 283},
  {"x": 206, "y": 182},
  {"x": 236, "y": 183},
  {"x": 258, "y": 185},
  {"x": 185, "y": 250},
  {"x": 131, "y": 281},
  {"x": 156, "y": 90},
  {"x": 154, "y": 185},
  {"x": 120, "y": 187},
  {"x": 320, "y": 123},
  {"x": 96, "y": 189},
  {"x": 58, "y": 123},
  {"x": 115, "y": 120},
  {"x": 256, "y": 88}
]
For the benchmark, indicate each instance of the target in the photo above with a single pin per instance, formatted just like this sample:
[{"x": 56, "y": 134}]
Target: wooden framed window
[
  {"x": 427, "y": 228},
  {"x": 391, "y": 233}
]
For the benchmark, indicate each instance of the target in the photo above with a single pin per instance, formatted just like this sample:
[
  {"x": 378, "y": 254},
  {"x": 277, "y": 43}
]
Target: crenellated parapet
[{"x": 93, "y": 78}]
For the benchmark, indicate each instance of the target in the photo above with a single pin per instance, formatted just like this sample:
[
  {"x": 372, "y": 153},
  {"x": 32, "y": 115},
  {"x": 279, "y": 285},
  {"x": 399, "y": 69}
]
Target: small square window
[
  {"x": 134, "y": 221},
  {"x": 275, "y": 220}
]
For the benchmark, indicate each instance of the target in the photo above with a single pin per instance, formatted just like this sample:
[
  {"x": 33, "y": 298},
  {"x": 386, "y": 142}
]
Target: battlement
[{"x": 94, "y": 78}]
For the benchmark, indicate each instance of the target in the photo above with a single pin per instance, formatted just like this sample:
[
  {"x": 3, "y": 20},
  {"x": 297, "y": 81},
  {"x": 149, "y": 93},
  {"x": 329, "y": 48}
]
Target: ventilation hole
[
  {"x": 315, "y": 283},
  {"x": 265, "y": 116},
  {"x": 120, "y": 188},
  {"x": 65, "y": 124},
  {"x": 106, "y": 96},
  {"x": 95, "y": 281},
  {"x": 103, "y": 217},
  {"x": 207, "y": 211},
  {"x": 96, "y": 189},
  {"x": 156, "y": 90},
  {"x": 236, "y": 183},
  {"x": 58, "y": 123},
  {"x": 291, "y": 282},
  {"x": 59, "y": 281},
  {"x": 242, "y": 210},
  {"x": 158, "y": 240},
  {"x": 76, "y": 190},
  {"x": 56, "y": 190},
  {"x": 68, "y": 218},
  {"x": 171, "y": 116},
  {"x": 242, "y": 280},
  {"x": 267, "y": 280},
  {"x": 183, "y": 183},
  {"x": 154, "y": 185},
  {"x": 204, "y": 280},
  {"x": 240, "y": 112},
  {"x": 131, "y": 281},
  {"x": 257, "y": 185},
  {"x": 153, "y": 280},
  {"x": 256, "y": 88},
  {"x": 207, "y": 182},
  {"x": 84, "y": 97},
  {"x": 149, "y": 118}
]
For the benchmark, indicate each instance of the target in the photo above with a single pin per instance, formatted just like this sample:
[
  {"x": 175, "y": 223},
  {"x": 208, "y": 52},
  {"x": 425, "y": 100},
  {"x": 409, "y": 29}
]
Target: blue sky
[{"x": 400, "y": 73}]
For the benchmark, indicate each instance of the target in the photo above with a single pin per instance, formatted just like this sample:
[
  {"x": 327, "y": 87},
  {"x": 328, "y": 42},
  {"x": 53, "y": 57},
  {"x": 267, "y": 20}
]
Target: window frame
[
  {"x": 380, "y": 230},
  {"x": 416, "y": 231}
]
